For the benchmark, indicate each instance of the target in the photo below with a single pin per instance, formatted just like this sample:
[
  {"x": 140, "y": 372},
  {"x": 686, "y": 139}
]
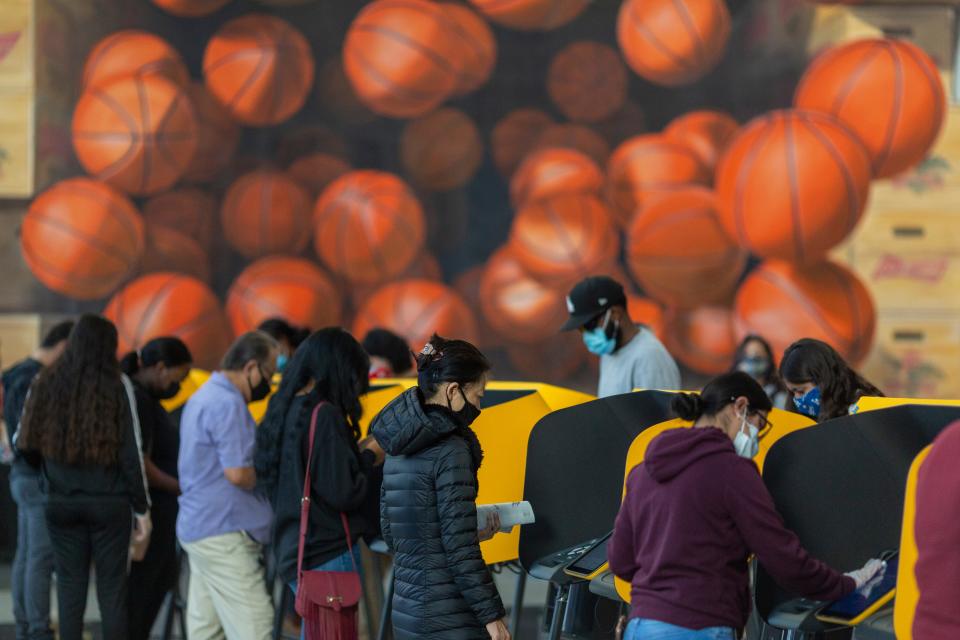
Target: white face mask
[{"x": 747, "y": 446}]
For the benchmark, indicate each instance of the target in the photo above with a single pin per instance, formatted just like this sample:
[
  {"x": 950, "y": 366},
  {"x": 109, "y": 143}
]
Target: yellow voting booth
[{"x": 873, "y": 403}]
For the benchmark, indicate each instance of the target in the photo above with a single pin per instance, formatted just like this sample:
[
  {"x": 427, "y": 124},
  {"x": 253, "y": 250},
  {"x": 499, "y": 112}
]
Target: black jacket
[
  {"x": 443, "y": 589},
  {"x": 16, "y": 384},
  {"x": 340, "y": 483}
]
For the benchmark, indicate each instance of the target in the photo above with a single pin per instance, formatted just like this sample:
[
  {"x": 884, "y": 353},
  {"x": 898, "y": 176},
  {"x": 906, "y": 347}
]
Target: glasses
[{"x": 764, "y": 426}]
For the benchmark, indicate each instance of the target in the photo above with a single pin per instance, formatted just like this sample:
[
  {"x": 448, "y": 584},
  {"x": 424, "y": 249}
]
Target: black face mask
[
  {"x": 466, "y": 415},
  {"x": 260, "y": 391},
  {"x": 170, "y": 391}
]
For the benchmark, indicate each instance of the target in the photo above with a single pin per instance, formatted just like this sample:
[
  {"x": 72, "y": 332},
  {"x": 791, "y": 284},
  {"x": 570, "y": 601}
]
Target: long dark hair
[
  {"x": 720, "y": 392},
  {"x": 77, "y": 410},
  {"x": 337, "y": 365},
  {"x": 170, "y": 351},
  {"x": 445, "y": 360},
  {"x": 810, "y": 360}
]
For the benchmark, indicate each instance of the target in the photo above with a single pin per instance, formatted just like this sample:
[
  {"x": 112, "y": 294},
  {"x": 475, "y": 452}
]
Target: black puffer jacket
[{"x": 443, "y": 589}]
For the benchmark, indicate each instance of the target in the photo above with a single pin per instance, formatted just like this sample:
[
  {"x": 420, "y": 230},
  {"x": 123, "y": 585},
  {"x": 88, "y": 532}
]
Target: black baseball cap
[{"x": 591, "y": 297}]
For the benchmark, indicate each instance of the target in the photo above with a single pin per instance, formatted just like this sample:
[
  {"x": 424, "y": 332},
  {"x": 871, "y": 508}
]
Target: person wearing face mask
[
  {"x": 389, "y": 353},
  {"x": 286, "y": 335},
  {"x": 631, "y": 356},
  {"x": 223, "y": 523},
  {"x": 694, "y": 512},
  {"x": 156, "y": 371},
  {"x": 823, "y": 385},
  {"x": 755, "y": 358},
  {"x": 443, "y": 589}
]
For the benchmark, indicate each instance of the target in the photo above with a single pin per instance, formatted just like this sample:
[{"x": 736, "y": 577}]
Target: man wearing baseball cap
[{"x": 631, "y": 356}]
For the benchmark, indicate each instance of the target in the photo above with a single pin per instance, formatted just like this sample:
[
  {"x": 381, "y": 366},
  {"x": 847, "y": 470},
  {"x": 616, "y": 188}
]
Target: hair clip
[{"x": 428, "y": 349}]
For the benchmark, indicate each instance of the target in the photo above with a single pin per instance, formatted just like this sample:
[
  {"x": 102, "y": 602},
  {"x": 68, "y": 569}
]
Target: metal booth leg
[
  {"x": 517, "y": 610},
  {"x": 559, "y": 608}
]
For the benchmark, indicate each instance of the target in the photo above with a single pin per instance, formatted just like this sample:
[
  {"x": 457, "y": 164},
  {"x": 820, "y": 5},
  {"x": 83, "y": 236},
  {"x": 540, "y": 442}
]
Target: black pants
[
  {"x": 153, "y": 577},
  {"x": 81, "y": 531}
]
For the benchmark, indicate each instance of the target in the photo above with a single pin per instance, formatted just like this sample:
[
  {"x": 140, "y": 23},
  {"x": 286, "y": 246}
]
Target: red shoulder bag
[{"x": 327, "y": 601}]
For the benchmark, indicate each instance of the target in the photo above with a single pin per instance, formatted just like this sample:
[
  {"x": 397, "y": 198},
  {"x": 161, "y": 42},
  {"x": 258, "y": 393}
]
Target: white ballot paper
[{"x": 511, "y": 514}]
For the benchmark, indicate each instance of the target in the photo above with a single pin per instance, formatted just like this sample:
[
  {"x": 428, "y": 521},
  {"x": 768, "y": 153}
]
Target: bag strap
[{"x": 305, "y": 502}]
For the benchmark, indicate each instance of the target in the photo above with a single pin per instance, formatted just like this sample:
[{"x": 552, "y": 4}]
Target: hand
[
  {"x": 143, "y": 529},
  {"x": 493, "y": 526},
  {"x": 370, "y": 444},
  {"x": 868, "y": 572},
  {"x": 498, "y": 630}
]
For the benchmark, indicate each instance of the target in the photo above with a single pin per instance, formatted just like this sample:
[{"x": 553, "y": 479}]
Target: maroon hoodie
[{"x": 693, "y": 513}]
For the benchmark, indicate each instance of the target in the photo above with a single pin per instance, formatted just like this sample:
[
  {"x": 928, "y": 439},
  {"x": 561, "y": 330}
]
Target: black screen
[
  {"x": 592, "y": 559},
  {"x": 862, "y": 599}
]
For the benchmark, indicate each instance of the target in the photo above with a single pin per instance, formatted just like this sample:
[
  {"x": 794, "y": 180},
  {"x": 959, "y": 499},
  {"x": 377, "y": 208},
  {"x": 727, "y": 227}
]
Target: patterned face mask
[{"x": 809, "y": 403}]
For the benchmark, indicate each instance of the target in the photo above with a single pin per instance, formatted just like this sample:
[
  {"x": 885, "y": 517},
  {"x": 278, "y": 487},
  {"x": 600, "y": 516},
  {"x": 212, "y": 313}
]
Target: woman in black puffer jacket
[{"x": 443, "y": 589}]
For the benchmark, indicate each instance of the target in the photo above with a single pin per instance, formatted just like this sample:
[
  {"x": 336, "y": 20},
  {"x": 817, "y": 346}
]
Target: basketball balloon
[
  {"x": 415, "y": 310},
  {"x": 554, "y": 172},
  {"x": 477, "y": 47},
  {"x": 81, "y": 238},
  {"x": 315, "y": 171},
  {"x": 277, "y": 287},
  {"x": 133, "y": 53},
  {"x": 646, "y": 168},
  {"x": 137, "y": 134},
  {"x": 514, "y": 135},
  {"x": 190, "y": 211},
  {"x": 401, "y": 57},
  {"x": 553, "y": 360},
  {"x": 673, "y": 42},
  {"x": 793, "y": 185},
  {"x": 368, "y": 226},
  {"x": 217, "y": 136},
  {"x": 574, "y": 136},
  {"x": 679, "y": 252},
  {"x": 425, "y": 267},
  {"x": 703, "y": 339},
  {"x": 517, "y": 307},
  {"x": 442, "y": 150},
  {"x": 260, "y": 68},
  {"x": 171, "y": 250},
  {"x": 707, "y": 133},
  {"x": 264, "y": 212},
  {"x": 587, "y": 81},
  {"x": 646, "y": 312},
  {"x": 562, "y": 239},
  {"x": 784, "y": 302},
  {"x": 887, "y": 91},
  {"x": 170, "y": 304},
  {"x": 531, "y": 15},
  {"x": 190, "y": 8}
]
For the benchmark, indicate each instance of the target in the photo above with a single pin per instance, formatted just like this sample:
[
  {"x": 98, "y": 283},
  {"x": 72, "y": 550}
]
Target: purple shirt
[{"x": 217, "y": 432}]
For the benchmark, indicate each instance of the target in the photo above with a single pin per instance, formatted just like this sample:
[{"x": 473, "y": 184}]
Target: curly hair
[{"x": 77, "y": 410}]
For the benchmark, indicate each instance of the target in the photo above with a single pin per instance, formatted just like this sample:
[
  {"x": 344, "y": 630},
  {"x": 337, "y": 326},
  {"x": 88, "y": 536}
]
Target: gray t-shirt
[{"x": 642, "y": 363}]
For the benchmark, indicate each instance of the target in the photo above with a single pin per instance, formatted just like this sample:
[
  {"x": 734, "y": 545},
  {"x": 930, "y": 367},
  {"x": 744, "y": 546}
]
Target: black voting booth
[
  {"x": 840, "y": 486},
  {"x": 574, "y": 480}
]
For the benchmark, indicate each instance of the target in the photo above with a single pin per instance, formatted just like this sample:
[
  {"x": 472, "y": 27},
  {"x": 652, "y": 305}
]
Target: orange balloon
[
  {"x": 265, "y": 212},
  {"x": 369, "y": 227},
  {"x": 133, "y": 53},
  {"x": 190, "y": 211},
  {"x": 707, "y": 133},
  {"x": 673, "y": 42},
  {"x": 170, "y": 304},
  {"x": 477, "y": 47},
  {"x": 515, "y": 305},
  {"x": 680, "y": 254},
  {"x": 260, "y": 68},
  {"x": 442, "y": 150},
  {"x": 415, "y": 310},
  {"x": 402, "y": 58},
  {"x": 574, "y": 136},
  {"x": 217, "y": 136},
  {"x": 171, "y": 250},
  {"x": 137, "y": 134},
  {"x": 425, "y": 267},
  {"x": 554, "y": 172},
  {"x": 785, "y": 302},
  {"x": 294, "y": 289},
  {"x": 562, "y": 239},
  {"x": 793, "y": 185},
  {"x": 315, "y": 171},
  {"x": 81, "y": 238},
  {"x": 887, "y": 91},
  {"x": 703, "y": 339},
  {"x": 587, "y": 81},
  {"x": 646, "y": 168},
  {"x": 190, "y": 8},
  {"x": 554, "y": 360},
  {"x": 646, "y": 312},
  {"x": 514, "y": 135},
  {"x": 531, "y": 15}
]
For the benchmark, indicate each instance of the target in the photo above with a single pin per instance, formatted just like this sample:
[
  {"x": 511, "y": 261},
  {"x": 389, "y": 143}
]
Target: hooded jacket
[
  {"x": 693, "y": 513},
  {"x": 443, "y": 589}
]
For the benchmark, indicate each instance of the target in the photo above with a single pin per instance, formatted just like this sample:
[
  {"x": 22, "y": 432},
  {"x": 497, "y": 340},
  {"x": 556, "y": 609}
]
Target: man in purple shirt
[{"x": 223, "y": 524}]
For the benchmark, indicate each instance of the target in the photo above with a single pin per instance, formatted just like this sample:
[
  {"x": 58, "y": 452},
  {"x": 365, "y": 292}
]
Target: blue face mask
[
  {"x": 282, "y": 360},
  {"x": 809, "y": 403},
  {"x": 598, "y": 342}
]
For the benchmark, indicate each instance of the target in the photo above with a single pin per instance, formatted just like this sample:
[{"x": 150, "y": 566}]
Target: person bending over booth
[{"x": 695, "y": 510}]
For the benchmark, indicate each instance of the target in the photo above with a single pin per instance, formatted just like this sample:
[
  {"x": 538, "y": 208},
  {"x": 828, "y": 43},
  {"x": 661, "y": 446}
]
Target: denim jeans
[
  {"x": 340, "y": 563},
  {"x": 641, "y": 629},
  {"x": 33, "y": 562}
]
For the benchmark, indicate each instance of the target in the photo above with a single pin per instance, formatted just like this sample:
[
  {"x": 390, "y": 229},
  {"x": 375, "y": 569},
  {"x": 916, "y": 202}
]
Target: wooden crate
[
  {"x": 19, "y": 336},
  {"x": 906, "y": 231},
  {"x": 916, "y": 357},
  {"x": 927, "y": 281}
]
